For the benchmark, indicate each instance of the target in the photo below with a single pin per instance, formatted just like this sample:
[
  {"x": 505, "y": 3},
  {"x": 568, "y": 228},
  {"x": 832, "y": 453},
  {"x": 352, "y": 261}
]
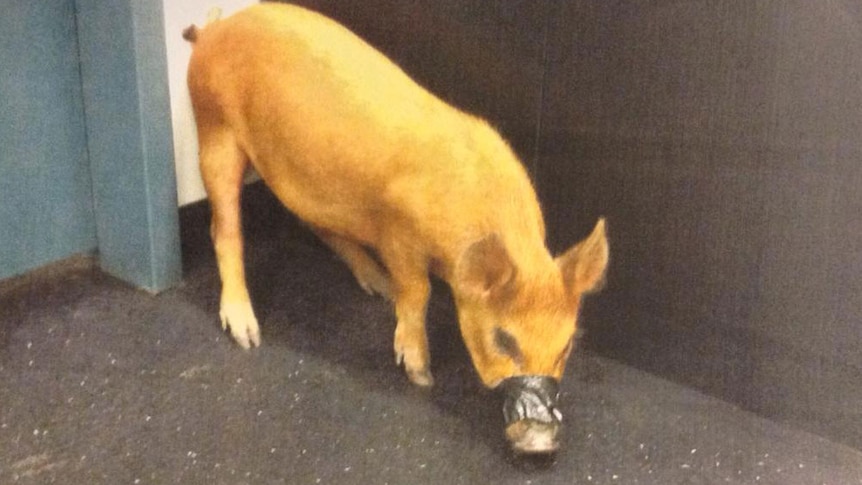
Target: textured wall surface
[
  {"x": 46, "y": 211},
  {"x": 720, "y": 138},
  {"x": 127, "y": 104},
  {"x": 85, "y": 142}
]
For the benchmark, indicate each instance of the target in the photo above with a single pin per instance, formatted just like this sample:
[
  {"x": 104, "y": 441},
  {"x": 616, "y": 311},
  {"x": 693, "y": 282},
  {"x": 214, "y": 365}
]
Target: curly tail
[{"x": 190, "y": 33}]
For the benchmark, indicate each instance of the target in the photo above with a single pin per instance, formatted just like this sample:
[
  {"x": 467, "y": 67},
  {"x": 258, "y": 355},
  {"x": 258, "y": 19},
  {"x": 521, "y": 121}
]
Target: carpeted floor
[{"x": 104, "y": 384}]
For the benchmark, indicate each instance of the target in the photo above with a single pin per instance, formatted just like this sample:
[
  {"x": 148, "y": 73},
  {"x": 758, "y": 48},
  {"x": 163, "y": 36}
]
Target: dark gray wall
[{"x": 720, "y": 140}]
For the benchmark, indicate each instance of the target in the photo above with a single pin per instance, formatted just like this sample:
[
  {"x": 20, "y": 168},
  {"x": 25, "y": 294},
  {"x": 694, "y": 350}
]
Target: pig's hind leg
[
  {"x": 370, "y": 276},
  {"x": 223, "y": 165},
  {"x": 407, "y": 284}
]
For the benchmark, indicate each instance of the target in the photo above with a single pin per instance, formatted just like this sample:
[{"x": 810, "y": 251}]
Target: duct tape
[{"x": 533, "y": 398}]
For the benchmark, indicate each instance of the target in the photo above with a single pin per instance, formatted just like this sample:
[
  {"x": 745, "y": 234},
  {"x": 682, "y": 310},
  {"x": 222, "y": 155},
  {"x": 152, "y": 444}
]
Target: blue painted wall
[
  {"x": 124, "y": 72},
  {"x": 86, "y": 156},
  {"x": 46, "y": 211}
]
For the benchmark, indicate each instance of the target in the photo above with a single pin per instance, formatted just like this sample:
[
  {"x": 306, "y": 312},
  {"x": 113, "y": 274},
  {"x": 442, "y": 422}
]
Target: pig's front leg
[
  {"x": 411, "y": 340},
  {"x": 411, "y": 291}
]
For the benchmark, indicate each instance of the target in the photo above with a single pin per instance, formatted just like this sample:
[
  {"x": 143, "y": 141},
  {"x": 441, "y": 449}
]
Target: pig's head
[{"x": 519, "y": 326}]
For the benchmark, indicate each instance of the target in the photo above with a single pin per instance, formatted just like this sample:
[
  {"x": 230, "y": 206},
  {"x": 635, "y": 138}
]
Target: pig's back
[
  {"x": 295, "y": 75},
  {"x": 340, "y": 133}
]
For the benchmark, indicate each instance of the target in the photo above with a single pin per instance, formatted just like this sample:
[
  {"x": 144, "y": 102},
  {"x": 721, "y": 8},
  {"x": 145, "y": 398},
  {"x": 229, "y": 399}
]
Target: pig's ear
[
  {"x": 485, "y": 268},
  {"x": 583, "y": 266}
]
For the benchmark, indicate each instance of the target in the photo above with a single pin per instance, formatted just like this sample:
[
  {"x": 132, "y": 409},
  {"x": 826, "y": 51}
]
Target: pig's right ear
[{"x": 485, "y": 269}]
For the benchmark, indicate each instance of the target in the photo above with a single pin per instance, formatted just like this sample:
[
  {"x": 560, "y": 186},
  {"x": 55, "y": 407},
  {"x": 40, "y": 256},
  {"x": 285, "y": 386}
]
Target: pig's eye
[{"x": 506, "y": 344}]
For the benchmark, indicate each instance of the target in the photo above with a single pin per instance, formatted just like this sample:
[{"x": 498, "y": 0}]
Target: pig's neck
[{"x": 511, "y": 208}]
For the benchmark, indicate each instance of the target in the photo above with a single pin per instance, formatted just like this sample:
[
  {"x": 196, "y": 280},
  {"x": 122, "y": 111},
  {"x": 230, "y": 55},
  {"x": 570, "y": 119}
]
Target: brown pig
[{"x": 372, "y": 161}]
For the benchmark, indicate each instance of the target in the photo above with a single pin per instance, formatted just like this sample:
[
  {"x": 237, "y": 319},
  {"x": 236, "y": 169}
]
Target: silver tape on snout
[{"x": 531, "y": 397}]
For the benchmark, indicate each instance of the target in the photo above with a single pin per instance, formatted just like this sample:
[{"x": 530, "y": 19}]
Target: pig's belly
[{"x": 332, "y": 207}]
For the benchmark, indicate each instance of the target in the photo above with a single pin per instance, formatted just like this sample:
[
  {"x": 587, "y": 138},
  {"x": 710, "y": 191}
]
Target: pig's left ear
[
  {"x": 485, "y": 269},
  {"x": 583, "y": 266}
]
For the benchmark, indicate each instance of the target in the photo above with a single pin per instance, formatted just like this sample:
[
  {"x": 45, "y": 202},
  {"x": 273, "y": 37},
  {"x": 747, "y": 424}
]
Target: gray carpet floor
[{"x": 104, "y": 384}]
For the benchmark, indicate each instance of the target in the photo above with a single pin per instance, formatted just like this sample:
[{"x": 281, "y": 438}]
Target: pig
[{"x": 401, "y": 185}]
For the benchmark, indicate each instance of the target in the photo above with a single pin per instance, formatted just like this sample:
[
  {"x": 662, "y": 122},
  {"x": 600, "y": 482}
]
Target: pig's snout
[{"x": 530, "y": 409}]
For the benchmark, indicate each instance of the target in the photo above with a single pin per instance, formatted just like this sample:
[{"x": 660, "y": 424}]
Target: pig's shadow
[{"x": 319, "y": 309}]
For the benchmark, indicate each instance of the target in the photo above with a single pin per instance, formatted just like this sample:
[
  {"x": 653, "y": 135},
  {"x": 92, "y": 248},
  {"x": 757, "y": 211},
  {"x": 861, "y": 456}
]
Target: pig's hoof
[
  {"x": 421, "y": 378},
  {"x": 375, "y": 283},
  {"x": 418, "y": 374},
  {"x": 240, "y": 319}
]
